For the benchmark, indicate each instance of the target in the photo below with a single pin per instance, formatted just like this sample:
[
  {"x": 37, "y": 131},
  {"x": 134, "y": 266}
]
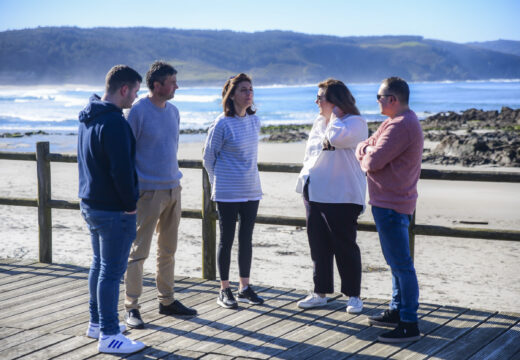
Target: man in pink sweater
[{"x": 391, "y": 157}]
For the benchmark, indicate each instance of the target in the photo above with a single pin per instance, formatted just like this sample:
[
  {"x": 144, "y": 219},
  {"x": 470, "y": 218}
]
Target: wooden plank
[
  {"x": 169, "y": 321},
  {"x": 183, "y": 355},
  {"x": 26, "y": 347},
  {"x": 216, "y": 357},
  {"x": 444, "y": 335},
  {"x": 431, "y": 317},
  {"x": 222, "y": 322},
  {"x": 479, "y": 336},
  {"x": 172, "y": 345},
  {"x": 232, "y": 318},
  {"x": 18, "y": 202},
  {"x": 12, "y": 272},
  {"x": 78, "y": 340},
  {"x": 42, "y": 279},
  {"x": 14, "y": 340},
  {"x": 468, "y": 175},
  {"x": 31, "y": 316},
  {"x": 290, "y": 344},
  {"x": 163, "y": 329},
  {"x": 284, "y": 317},
  {"x": 22, "y": 156},
  {"x": 504, "y": 346},
  {"x": 160, "y": 331},
  {"x": 13, "y": 261},
  {"x": 278, "y": 330},
  {"x": 60, "y": 348},
  {"x": 209, "y": 231},
  {"x": 61, "y": 285},
  {"x": 468, "y": 233},
  {"x": 77, "y": 322},
  {"x": 345, "y": 325},
  {"x": 27, "y": 280},
  {"x": 75, "y": 319},
  {"x": 16, "y": 274},
  {"x": 43, "y": 169},
  {"x": 8, "y": 331},
  {"x": 217, "y": 320}
]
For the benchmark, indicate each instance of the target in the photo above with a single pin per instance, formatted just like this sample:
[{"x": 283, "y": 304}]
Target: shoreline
[{"x": 470, "y": 138}]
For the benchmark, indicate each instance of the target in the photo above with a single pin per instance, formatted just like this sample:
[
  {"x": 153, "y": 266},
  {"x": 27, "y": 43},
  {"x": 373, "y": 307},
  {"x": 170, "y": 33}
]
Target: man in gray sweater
[{"x": 155, "y": 124}]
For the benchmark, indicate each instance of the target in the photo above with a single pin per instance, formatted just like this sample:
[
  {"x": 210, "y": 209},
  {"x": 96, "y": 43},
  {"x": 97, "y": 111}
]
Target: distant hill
[
  {"x": 76, "y": 55},
  {"x": 503, "y": 46}
]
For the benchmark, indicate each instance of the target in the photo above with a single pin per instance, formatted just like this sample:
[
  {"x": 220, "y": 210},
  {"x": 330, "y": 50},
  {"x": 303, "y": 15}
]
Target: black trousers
[
  {"x": 331, "y": 230},
  {"x": 228, "y": 213}
]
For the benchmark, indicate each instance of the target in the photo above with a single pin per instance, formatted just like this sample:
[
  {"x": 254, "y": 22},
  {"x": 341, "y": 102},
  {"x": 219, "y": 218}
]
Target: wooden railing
[{"x": 208, "y": 213}]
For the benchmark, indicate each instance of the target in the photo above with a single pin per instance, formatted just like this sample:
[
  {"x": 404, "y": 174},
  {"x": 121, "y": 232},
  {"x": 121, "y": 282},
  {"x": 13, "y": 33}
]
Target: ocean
[{"x": 54, "y": 108}]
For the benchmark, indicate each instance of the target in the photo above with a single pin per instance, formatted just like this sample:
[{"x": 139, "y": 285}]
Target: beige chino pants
[{"x": 158, "y": 210}]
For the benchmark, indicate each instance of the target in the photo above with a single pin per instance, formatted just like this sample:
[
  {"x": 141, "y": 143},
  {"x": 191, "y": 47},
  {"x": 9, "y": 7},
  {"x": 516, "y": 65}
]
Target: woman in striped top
[{"x": 230, "y": 158}]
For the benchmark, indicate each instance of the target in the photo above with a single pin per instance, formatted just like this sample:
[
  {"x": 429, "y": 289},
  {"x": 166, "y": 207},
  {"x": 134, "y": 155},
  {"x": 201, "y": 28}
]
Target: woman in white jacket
[{"x": 333, "y": 187}]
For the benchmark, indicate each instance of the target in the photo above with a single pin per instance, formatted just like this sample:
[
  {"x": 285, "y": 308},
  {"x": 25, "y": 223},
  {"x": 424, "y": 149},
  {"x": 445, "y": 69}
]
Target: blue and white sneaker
[
  {"x": 118, "y": 344},
  {"x": 93, "y": 330}
]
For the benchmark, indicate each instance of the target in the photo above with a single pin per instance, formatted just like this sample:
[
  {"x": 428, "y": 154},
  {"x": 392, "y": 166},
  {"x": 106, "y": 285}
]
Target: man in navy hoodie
[{"x": 108, "y": 192}]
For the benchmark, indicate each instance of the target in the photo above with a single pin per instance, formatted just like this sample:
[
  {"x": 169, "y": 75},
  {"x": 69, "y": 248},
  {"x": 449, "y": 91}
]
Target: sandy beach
[{"x": 472, "y": 273}]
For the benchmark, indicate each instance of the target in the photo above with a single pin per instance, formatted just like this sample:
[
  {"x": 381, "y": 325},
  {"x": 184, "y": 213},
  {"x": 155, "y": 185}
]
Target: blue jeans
[
  {"x": 393, "y": 236},
  {"x": 112, "y": 234}
]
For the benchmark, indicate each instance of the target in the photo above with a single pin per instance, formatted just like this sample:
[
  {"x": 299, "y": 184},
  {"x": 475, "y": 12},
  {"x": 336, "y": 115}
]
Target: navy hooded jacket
[{"x": 106, "y": 158}]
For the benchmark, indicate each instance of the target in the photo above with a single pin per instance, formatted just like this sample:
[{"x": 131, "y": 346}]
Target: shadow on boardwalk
[{"x": 44, "y": 314}]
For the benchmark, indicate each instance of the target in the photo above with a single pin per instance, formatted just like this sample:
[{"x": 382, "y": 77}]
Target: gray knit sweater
[{"x": 156, "y": 131}]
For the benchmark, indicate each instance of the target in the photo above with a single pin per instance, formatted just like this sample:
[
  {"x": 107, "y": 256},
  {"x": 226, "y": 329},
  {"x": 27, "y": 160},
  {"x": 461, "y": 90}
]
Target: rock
[
  {"x": 499, "y": 148},
  {"x": 287, "y": 136}
]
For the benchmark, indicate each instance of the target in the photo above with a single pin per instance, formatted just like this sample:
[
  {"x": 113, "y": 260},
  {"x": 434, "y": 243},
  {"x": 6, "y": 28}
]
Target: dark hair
[
  {"x": 119, "y": 76},
  {"x": 229, "y": 90},
  {"x": 159, "y": 71},
  {"x": 337, "y": 93},
  {"x": 399, "y": 88}
]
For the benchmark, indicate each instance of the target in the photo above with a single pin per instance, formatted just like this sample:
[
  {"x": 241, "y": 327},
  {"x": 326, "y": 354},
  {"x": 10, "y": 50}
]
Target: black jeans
[
  {"x": 228, "y": 212},
  {"x": 331, "y": 230}
]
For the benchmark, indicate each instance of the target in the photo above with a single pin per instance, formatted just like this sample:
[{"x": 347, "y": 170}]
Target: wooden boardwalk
[{"x": 44, "y": 314}]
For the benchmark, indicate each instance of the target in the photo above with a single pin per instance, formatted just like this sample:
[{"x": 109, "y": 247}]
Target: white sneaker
[
  {"x": 93, "y": 330},
  {"x": 312, "y": 300},
  {"x": 354, "y": 305},
  {"x": 118, "y": 344}
]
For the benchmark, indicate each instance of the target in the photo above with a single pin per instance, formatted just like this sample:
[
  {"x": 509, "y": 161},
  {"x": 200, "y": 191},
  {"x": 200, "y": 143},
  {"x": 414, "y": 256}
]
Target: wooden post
[
  {"x": 209, "y": 230},
  {"x": 43, "y": 168},
  {"x": 411, "y": 235}
]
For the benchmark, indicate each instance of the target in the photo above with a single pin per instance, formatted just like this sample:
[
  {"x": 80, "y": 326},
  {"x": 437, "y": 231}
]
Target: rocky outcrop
[
  {"x": 481, "y": 138},
  {"x": 286, "y": 133},
  {"x": 473, "y": 119},
  {"x": 493, "y": 148}
]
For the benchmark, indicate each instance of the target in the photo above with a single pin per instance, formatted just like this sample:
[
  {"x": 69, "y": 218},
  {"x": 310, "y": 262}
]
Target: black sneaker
[
  {"x": 133, "y": 319},
  {"x": 404, "y": 332},
  {"x": 176, "y": 308},
  {"x": 249, "y": 296},
  {"x": 389, "y": 318},
  {"x": 226, "y": 299}
]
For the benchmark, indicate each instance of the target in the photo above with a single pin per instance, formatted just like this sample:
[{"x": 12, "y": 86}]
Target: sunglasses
[{"x": 383, "y": 95}]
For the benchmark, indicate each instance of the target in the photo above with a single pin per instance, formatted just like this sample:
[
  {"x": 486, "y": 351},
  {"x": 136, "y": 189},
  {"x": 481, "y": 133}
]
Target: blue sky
[{"x": 452, "y": 20}]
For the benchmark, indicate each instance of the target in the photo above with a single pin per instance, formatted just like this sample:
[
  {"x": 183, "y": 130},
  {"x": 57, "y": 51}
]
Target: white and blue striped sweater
[{"x": 230, "y": 158}]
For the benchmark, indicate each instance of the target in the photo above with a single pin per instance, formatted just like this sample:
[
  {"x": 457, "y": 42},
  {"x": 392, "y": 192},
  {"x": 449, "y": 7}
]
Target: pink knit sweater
[{"x": 394, "y": 165}]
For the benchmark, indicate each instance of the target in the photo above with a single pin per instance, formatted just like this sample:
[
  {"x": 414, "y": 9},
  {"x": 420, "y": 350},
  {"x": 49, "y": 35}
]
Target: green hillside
[{"x": 75, "y": 55}]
